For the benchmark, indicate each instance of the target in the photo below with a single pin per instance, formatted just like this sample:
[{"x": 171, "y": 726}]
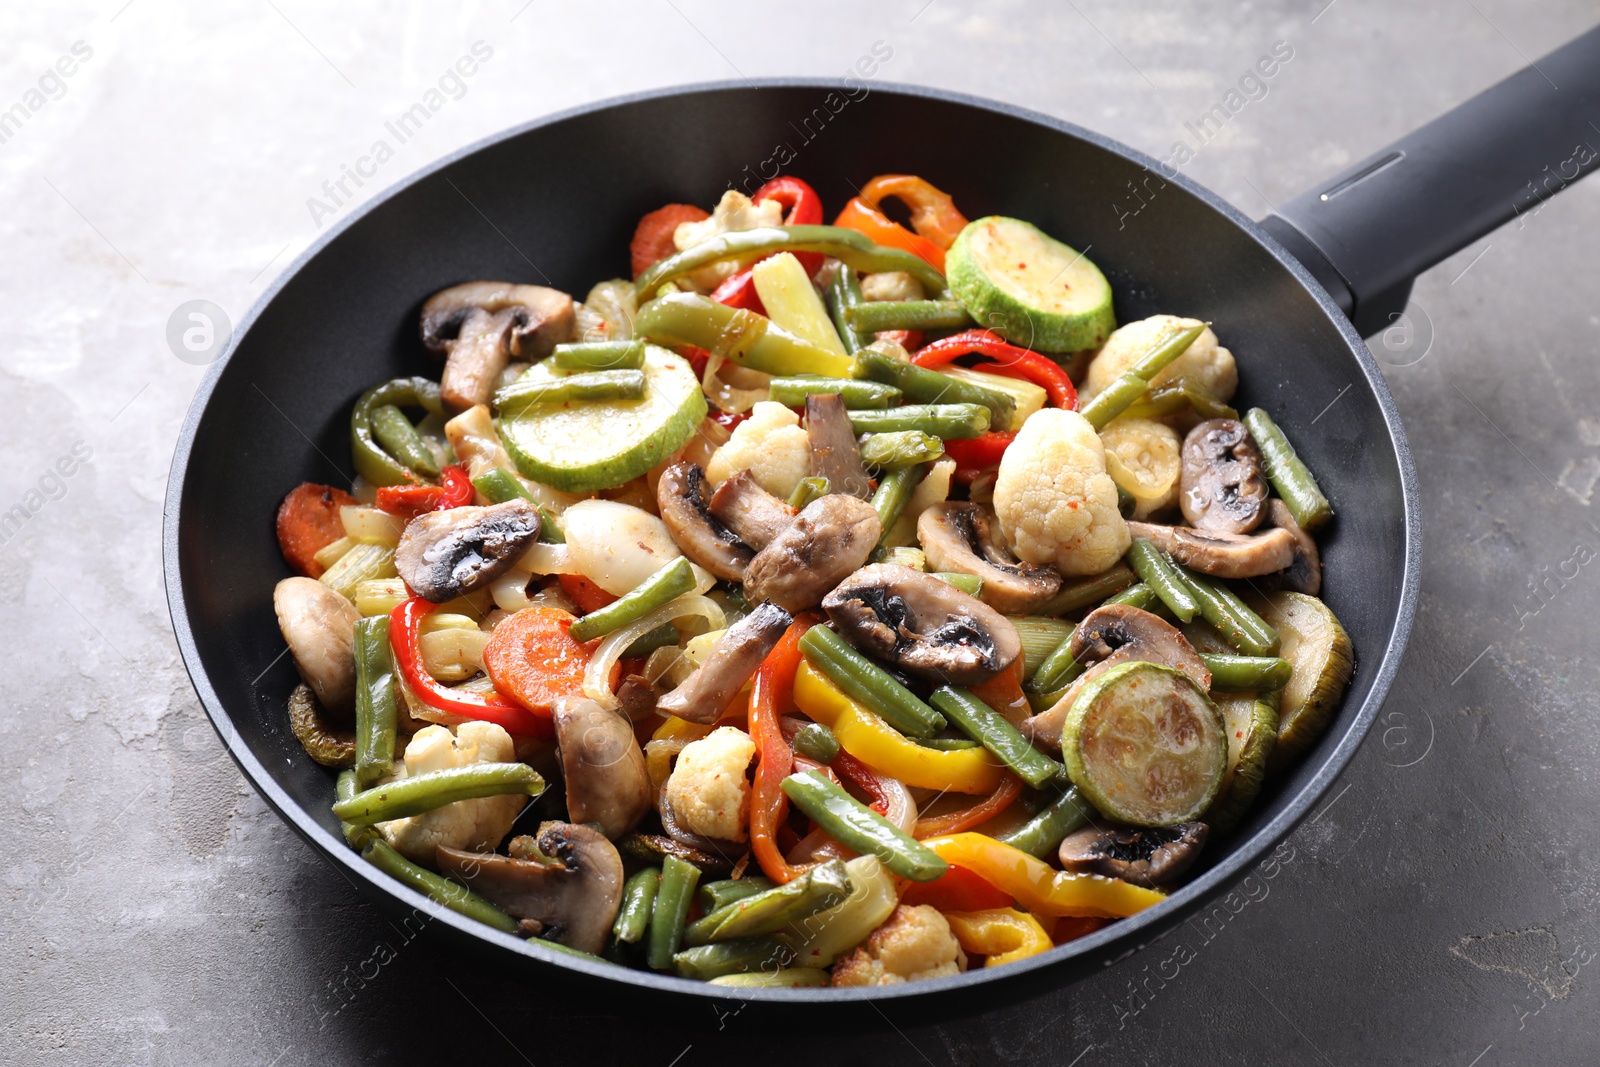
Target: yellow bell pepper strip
[
  {"x": 887, "y": 751},
  {"x": 1039, "y": 887},
  {"x": 1003, "y": 935}
]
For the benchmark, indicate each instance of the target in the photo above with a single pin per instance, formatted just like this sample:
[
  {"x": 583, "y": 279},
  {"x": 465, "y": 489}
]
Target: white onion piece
[
  {"x": 541, "y": 558},
  {"x": 616, "y": 546},
  {"x": 902, "y": 809},
  {"x": 510, "y": 590},
  {"x": 742, "y": 390},
  {"x": 597, "y": 677}
]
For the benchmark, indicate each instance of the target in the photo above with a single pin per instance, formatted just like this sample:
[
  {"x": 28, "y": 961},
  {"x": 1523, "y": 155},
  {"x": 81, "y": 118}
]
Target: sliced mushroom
[
  {"x": 479, "y": 326},
  {"x": 443, "y": 554},
  {"x": 1221, "y": 485},
  {"x": 572, "y": 894},
  {"x": 832, "y": 537},
  {"x": 834, "y": 453},
  {"x": 1147, "y": 857},
  {"x": 1223, "y": 555},
  {"x": 923, "y": 625},
  {"x": 319, "y": 627},
  {"x": 636, "y": 697},
  {"x": 962, "y": 537},
  {"x": 603, "y": 766},
  {"x": 752, "y": 513},
  {"x": 733, "y": 659},
  {"x": 680, "y": 496},
  {"x": 1304, "y": 574}
]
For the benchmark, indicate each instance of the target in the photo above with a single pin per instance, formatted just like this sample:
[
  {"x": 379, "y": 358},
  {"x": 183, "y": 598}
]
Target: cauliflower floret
[
  {"x": 472, "y": 825},
  {"x": 916, "y": 943},
  {"x": 771, "y": 444},
  {"x": 1205, "y": 360},
  {"x": 734, "y": 212},
  {"x": 1055, "y": 502},
  {"x": 891, "y": 285},
  {"x": 708, "y": 791},
  {"x": 1145, "y": 458}
]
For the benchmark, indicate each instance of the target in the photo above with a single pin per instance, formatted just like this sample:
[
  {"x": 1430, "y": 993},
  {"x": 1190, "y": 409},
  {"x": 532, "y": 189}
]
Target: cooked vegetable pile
[{"x": 879, "y": 606}]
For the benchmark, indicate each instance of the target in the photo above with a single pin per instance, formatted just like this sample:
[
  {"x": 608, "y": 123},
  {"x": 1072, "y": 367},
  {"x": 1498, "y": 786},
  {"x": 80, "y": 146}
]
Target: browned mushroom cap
[
  {"x": 479, "y": 326},
  {"x": 834, "y": 453},
  {"x": 733, "y": 659},
  {"x": 319, "y": 627},
  {"x": 1147, "y": 857},
  {"x": 572, "y": 894},
  {"x": 751, "y": 512},
  {"x": 1222, "y": 486},
  {"x": 603, "y": 766},
  {"x": 923, "y": 625},
  {"x": 1222, "y": 555},
  {"x": 680, "y": 497},
  {"x": 832, "y": 537},
  {"x": 443, "y": 554},
  {"x": 1304, "y": 574},
  {"x": 961, "y": 537}
]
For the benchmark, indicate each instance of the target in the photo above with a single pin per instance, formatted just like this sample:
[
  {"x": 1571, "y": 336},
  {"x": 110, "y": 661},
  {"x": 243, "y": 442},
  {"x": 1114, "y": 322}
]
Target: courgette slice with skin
[
  {"x": 1030, "y": 288},
  {"x": 1251, "y": 721},
  {"x": 582, "y": 447},
  {"x": 1323, "y": 659},
  {"x": 1145, "y": 745}
]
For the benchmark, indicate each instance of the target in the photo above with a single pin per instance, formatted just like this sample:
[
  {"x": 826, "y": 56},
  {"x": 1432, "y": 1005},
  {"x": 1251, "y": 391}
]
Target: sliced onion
[
  {"x": 658, "y": 757},
  {"x": 597, "y": 678},
  {"x": 742, "y": 390},
  {"x": 510, "y": 591},
  {"x": 902, "y": 810},
  {"x": 541, "y": 558}
]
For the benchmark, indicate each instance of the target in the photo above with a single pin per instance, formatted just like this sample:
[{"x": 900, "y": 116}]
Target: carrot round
[
  {"x": 584, "y": 593},
  {"x": 308, "y": 522},
  {"x": 652, "y": 240},
  {"x": 532, "y": 659}
]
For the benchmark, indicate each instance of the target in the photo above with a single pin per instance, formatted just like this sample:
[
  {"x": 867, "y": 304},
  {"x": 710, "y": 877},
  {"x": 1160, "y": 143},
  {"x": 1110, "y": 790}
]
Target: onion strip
[{"x": 597, "y": 677}]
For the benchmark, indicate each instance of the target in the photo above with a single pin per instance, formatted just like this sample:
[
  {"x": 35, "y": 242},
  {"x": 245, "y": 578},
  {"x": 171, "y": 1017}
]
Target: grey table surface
[{"x": 1439, "y": 907}]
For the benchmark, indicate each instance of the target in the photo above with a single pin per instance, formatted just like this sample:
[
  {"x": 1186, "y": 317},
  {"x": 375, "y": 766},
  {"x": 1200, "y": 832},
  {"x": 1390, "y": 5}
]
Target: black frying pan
[{"x": 555, "y": 201}]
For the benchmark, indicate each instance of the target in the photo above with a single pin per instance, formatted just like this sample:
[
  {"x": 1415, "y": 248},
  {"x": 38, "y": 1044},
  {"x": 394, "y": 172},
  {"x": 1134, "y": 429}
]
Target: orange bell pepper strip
[
  {"x": 933, "y": 213},
  {"x": 1003, "y": 935},
  {"x": 967, "y": 818},
  {"x": 957, "y": 889},
  {"x": 772, "y": 695},
  {"x": 1037, "y": 886},
  {"x": 862, "y": 216}
]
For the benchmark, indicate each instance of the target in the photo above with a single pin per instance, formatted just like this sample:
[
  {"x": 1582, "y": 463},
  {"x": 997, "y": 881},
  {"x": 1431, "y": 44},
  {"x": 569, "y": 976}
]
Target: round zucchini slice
[
  {"x": 1323, "y": 660},
  {"x": 1145, "y": 745},
  {"x": 583, "y": 446},
  {"x": 1030, "y": 288},
  {"x": 1251, "y": 722}
]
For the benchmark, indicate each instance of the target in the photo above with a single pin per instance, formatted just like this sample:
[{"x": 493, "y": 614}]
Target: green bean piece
[
  {"x": 598, "y": 355},
  {"x": 413, "y": 796},
  {"x": 990, "y": 729},
  {"x": 1127, "y": 504},
  {"x": 329, "y": 747},
  {"x": 435, "y": 887},
  {"x": 376, "y": 714},
  {"x": 901, "y": 448},
  {"x": 1156, "y": 569},
  {"x": 1287, "y": 472},
  {"x": 952, "y": 422},
  {"x": 946, "y": 744},
  {"x": 638, "y": 898},
  {"x": 499, "y": 485},
  {"x": 969, "y": 584},
  {"x": 344, "y": 787},
  {"x": 869, "y": 684},
  {"x": 891, "y": 497},
  {"x": 746, "y": 955},
  {"x": 1172, "y": 397},
  {"x": 861, "y": 829},
  {"x": 668, "y": 583},
  {"x": 567, "y": 950},
  {"x": 782, "y": 978},
  {"x": 550, "y": 529},
  {"x": 1057, "y": 671},
  {"x": 662, "y": 636},
  {"x": 792, "y": 391},
  {"x": 1244, "y": 630},
  {"x": 1078, "y": 594},
  {"x": 744, "y": 337},
  {"x": 1040, "y": 637},
  {"x": 1135, "y": 381},
  {"x": 395, "y": 434},
  {"x": 849, "y": 247},
  {"x": 1249, "y": 674},
  {"x": 875, "y": 316},
  {"x": 671, "y": 908},
  {"x": 816, "y": 742},
  {"x": 818, "y": 889},
  {"x": 1044, "y": 701},
  {"x": 924, "y": 386},
  {"x": 812, "y": 487},
  {"x": 844, "y": 293},
  {"x": 714, "y": 895},
  {"x": 592, "y": 385},
  {"x": 1041, "y": 835},
  {"x": 371, "y": 461},
  {"x": 1139, "y": 596}
]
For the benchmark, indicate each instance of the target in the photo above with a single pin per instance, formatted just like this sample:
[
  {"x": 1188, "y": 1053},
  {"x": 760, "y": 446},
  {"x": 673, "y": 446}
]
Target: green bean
[
  {"x": 638, "y": 897},
  {"x": 969, "y": 584},
  {"x": 376, "y": 714},
  {"x": 599, "y": 355},
  {"x": 844, "y": 293},
  {"x": 1135, "y": 381},
  {"x": 567, "y": 950},
  {"x": 1139, "y": 596},
  {"x": 952, "y": 422},
  {"x": 322, "y": 743},
  {"x": 1044, "y": 701},
  {"x": 1244, "y": 630},
  {"x": 891, "y": 497},
  {"x": 668, "y": 583},
  {"x": 1041, "y": 835},
  {"x": 413, "y": 796},
  {"x": 744, "y": 337},
  {"x": 792, "y": 391},
  {"x": 671, "y": 907},
  {"x": 861, "y": 829},
  {"x": 1156, "y": 569},
  {"x": 869, "y": 684},
  {"x": 499, "y": 485},
  {"x": 874, "y": 316},
  {"x": 990, "y": 729},
  {"x": 818, "y": 889},
  {"x": 1171, "y": 397},
  {"x": 816, "y": 742},
  {"x": 812, "y": 487},
  {"x": 1287, "y": 472},
  {"x": 437, "y": 888},
  {"x": 782, "y": 978},
  {"x": 902, "y": 448},
  {"x": 714, "y": 895},
  {"x": 1040, "y": 637},
  {"x": 847, "y": 246},
  {"x": 394, "y": 432},
  {"x": 926, "y": 386},
  {"x": 1085, "y": 591},
  {"x": 1127, "y": 504},
  {"x": 344, "y": 787},
  {"x": 662, "y": 636},
  {"x": 371, "y": 461},
  {"x": 594, "y": 385},
  {"x": 1248, "y": 674},
  {"x": 946, "y": 744},
  {"x": 747, "y": 955}
]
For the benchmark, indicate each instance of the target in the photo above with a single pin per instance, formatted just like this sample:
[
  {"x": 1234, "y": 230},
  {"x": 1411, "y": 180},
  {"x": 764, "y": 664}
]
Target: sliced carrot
[
  {"x": 584, "y": 593},
  {"x": 532, "y": 659},
  {"x": 308, "y": 522},
  {"x": 652, "y": 240}
]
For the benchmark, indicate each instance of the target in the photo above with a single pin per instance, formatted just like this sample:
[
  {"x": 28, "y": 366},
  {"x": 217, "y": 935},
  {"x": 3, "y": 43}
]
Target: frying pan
[{"x": 554, "y": 202}]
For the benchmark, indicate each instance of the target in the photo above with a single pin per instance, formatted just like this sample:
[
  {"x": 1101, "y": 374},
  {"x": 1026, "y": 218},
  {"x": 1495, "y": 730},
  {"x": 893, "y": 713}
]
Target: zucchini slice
[
  {"x": 1145, "y": 745},
  {"x": 1323, "y": 659},
  {"x": 584, "y": 446},
  {"x": 1030, "y": 288},
  {"x": 1251, "y": 721}
]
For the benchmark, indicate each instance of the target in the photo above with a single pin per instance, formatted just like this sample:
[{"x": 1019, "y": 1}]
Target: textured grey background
[{"x": 1438, "y": 909}]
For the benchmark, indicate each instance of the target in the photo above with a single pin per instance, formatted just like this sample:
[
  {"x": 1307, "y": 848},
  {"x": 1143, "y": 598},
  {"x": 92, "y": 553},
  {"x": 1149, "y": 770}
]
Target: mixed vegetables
[{"x": 880, "y": 605}]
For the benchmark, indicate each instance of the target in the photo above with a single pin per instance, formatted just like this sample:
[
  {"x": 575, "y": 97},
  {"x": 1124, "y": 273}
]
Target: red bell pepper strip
[
  {"x": 967, "y": 818},
  {"x": 453, "y": 491},
  {"x": 1038, "y": 369},
  {"x": 862, "y": 216},
  {"x": 739, "y": 291},
  {"x": 728, "y": 420},
  {"x": 910, "y": 340},
  {"x": 933, "y": 213},
  {"x": 404, "y": 625},
  {"x": 957, "y": 889},
  {"x": 772, "y": 695},
  {"x": 978, "y": 454}
]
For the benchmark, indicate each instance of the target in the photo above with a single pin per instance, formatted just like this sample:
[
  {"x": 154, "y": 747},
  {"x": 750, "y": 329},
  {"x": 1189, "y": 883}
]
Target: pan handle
[{"x": 1368, "y": 232}]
